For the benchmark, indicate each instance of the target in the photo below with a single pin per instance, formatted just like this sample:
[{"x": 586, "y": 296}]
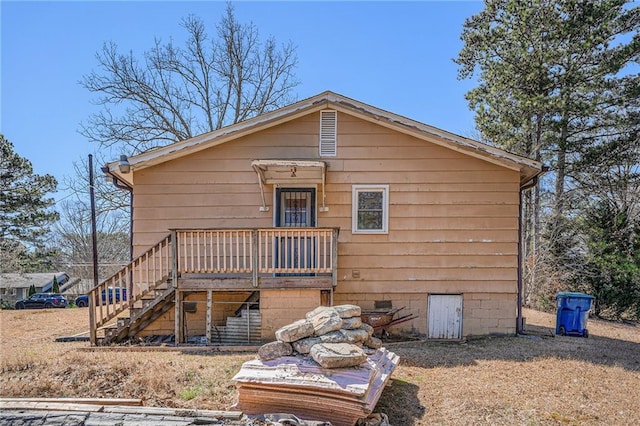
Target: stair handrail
[{"x": 110, "y": 298}]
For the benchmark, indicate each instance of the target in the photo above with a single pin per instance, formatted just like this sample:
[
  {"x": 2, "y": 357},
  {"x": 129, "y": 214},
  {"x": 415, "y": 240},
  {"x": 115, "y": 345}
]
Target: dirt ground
[{"x": 534, "y": 379}]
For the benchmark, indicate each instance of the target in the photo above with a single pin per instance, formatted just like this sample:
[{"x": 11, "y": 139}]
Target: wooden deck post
[
  {"x": 179, "y": 335},
  {"x": 334, "y": 257},
  {"x": 209, "y": 305},
  {"x": 92, "y": 319},
  {"x": 174, "y": 258},
  {"x": 254, "y": 253},
  {"x": 178, "y": 319}
]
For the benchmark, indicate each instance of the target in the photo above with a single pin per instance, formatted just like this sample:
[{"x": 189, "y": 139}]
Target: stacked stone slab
[{"x": 335, "y": 337}]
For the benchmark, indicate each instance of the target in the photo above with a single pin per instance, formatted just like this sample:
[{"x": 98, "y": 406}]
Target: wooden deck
[{"x": 208, "y": 260}]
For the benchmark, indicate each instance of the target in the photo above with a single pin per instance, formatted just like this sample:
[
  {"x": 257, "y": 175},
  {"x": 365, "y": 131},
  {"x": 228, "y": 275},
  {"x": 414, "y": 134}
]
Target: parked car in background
[
  {"x": 120, "y": 294},
  {"x": 82, "y": 301},
  {"x": 42, "y": 301}
]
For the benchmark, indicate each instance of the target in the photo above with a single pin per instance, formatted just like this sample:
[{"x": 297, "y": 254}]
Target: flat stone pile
[{"x": 335, "y": 337}]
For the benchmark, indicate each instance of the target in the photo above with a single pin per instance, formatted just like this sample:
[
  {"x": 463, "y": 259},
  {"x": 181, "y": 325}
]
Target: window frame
[{"x": 355, "y": 190}]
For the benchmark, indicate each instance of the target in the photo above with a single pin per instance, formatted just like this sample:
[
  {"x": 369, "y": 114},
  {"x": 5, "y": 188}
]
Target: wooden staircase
[
  {"x": 149, "y": 308},
  {"x": 133, "y": 297}
]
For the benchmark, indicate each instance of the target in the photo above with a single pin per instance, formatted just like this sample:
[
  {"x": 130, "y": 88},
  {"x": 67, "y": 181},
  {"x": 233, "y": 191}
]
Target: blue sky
[{"x": 394, "y": 55}]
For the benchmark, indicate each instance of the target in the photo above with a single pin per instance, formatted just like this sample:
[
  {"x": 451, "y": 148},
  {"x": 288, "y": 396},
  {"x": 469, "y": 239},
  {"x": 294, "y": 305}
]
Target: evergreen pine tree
[
  {"x": 554, "y": 80},
  {"x": 25, "y": 211}
]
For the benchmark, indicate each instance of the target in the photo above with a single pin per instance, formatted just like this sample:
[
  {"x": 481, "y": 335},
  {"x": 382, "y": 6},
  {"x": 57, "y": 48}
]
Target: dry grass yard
[{"x": 498, "y": 381}]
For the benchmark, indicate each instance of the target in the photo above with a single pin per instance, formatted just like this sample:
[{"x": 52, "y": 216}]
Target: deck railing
[
  {"x": 257, "y": 251},
  {"x": 120, "y": 291},
  {"x": 228, "y": 251},
  {"x": 295, "y": 250}
]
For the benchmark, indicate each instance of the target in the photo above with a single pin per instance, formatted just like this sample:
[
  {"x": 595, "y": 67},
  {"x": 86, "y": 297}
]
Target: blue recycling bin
[{"x": 572, "y": 314}]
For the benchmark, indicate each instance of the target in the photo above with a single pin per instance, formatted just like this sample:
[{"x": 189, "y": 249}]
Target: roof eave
[
  {"x": 527, "y": 168},
  {"x": 223, "y": 135}
]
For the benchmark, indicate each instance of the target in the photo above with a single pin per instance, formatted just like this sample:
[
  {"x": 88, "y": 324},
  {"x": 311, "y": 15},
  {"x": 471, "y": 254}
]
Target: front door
[{"x": 295, "y": 208}]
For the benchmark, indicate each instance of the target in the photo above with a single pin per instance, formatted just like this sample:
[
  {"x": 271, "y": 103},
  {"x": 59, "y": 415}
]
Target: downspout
[
  {"x": 120, "y": 185},
  {"x": 528, "y": 185},
  {"x": 519, "y": 325}
]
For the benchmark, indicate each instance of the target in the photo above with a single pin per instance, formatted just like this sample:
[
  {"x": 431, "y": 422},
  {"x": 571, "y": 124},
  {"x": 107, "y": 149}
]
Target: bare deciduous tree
[
  {"x": 108, "y": 197},
  {"x": 72, "y": 237},
  {"x": 174, "y": 93}
]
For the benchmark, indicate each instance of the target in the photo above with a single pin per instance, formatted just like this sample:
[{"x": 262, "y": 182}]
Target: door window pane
[{"x": 295, "y": 208}]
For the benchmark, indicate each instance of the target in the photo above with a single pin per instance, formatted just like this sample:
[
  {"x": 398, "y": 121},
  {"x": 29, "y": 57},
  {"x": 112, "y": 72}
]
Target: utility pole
[{"x": 94, "y": 238}]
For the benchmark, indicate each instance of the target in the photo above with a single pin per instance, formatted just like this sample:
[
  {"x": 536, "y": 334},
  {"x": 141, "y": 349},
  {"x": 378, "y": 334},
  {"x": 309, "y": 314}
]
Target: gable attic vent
[{"x": 328, "y": 132}]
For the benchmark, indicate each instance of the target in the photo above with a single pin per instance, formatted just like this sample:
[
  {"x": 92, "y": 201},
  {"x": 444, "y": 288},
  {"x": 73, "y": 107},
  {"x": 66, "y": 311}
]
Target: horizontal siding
[
  {"x": 382, "y": 289},
  {"x": 487, "y": 236},
  {"x": 432, "y": 199},
  {"x": 196, "y": 212},
  {"x": 450, "y": 187},
  {"x": 391, "y": 272},
  {"x": 427, "y": 249},
  {"x": 199, "y": 178},
  {"x": 414, "y": 165},
  {"x": 152, "y": 226},
  {"x": 188, "y": 189},
  {"x": 437, "y": 261},
  {"x": 362, "y": 147},
  {"x": 432, "y": 210},
  {"x": 197, "y": 200},
  {"x": 369, "y": 176},
  {"x": 401, "y": 177},
  {"x": 453, "y": 223},
  {"x": 247, "y": 152},
  {"x": 453, "y": 219}
]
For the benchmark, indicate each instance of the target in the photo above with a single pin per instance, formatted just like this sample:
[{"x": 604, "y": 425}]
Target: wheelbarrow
[{"x": 382, "y": 320}]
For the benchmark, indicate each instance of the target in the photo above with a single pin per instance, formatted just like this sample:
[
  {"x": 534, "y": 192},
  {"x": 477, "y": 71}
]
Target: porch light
[
  {"x": 124, "y": 165},
  {"x": 293, "y": 172}
]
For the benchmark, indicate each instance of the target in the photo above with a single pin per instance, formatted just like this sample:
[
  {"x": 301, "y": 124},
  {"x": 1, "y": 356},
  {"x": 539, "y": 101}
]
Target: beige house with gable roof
[{"x": 325, "y": 201}]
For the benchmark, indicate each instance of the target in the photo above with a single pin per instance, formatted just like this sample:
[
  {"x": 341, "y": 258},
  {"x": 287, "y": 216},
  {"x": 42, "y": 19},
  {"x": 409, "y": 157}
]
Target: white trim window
[
  {"x": 328, "y": 133},
  {"x": 370, "y": 209}
]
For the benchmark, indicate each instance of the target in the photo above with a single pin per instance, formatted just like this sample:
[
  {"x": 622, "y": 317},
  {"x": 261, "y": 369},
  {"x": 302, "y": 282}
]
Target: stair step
[
  {"x": 235, "y": 330},
  {"x": 235, "y": 337},
  {"x": 243, "y": 320},
  {"x": 123, "y": 322},
  {"x": 222, "y": 331},
  {"x": 252, "y": 313},
  {"x": 215, "y": 338}
]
